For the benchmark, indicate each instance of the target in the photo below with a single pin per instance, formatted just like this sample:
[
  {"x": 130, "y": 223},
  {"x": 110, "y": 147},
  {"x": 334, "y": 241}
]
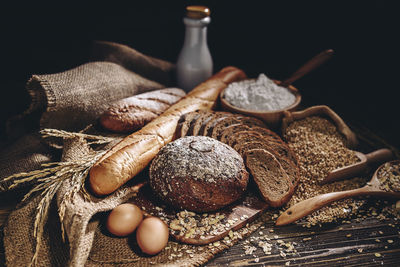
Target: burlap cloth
[{"x": 71, "y": 100}]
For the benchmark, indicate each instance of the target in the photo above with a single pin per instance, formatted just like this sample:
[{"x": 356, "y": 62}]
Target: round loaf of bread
[{"x": 198, "y": 173}]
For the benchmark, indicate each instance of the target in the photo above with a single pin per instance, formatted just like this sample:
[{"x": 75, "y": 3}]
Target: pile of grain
[
  {"x": 389, "y": 176},
  {"x": 320, "y": 148}
]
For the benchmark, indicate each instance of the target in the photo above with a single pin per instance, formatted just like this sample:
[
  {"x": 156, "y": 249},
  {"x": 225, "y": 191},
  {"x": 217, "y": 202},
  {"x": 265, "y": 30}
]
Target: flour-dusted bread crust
[
  {"x": 198, "y": 173},
  {"x": 132, "y": 113},
  {"x": 132, "y": 154}
]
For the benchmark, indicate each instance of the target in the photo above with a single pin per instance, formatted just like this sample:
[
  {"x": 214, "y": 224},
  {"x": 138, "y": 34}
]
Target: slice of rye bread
[
  {"x": 192, "y": 123},
  {"x": 196, "y": 122},
  {"x": 230, "y": 130},
  {"x": 288, "y": 165},
  {"x": 207, "y": 128},
  {"x": 268, "y": 174},
  {"x": 279, "y": 146},
  {"x": 184, "y": 123},
  {"x": 248, "y": 135},
  {"x": 216, "y": 130}
]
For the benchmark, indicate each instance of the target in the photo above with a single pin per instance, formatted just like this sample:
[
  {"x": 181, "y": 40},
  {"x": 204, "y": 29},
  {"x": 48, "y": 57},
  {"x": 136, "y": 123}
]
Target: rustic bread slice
[
  {"x": 208, "y": 127},
  {"x": 248, "y": 135},
  {"x": 232, "y": 129},
  {"x": 267, "y": 132},
  {"x": 288, "y": 165},
  {"x": 201, "y": 115},
  {"x": 250, "y": 121},
  {"x": 196, "y": 122},
  {"x": 269, "y": 176},
  {"x": 283, "y": 150},
  {"x": 184, "y": 123},
  {"x": 216, "y": 130}
]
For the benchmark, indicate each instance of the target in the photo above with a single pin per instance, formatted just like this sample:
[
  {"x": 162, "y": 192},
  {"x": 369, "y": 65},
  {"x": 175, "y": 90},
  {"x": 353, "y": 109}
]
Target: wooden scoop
[
  {"x": 377, "y": 156},
  {"x": 310, "y": 205}
]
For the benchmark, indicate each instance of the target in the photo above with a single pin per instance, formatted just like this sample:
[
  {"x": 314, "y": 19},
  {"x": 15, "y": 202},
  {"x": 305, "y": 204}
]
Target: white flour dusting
[{"x": 261, "y": 94}]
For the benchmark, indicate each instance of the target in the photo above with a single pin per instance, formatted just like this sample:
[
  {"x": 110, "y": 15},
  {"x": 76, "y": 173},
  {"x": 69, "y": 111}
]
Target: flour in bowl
[{"x": 261, "y": 94}]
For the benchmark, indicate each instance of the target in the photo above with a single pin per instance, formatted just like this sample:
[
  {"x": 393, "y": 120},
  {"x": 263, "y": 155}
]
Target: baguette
[{"x": 132, "y": 154}]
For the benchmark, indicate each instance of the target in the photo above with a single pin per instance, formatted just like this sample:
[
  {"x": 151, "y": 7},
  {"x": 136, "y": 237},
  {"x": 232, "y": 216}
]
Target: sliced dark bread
[
  {"x": 197, "y": 122},
  {"x": 249, "y": 135},
  {"x": 208, "y": 127},
  {"x": 216, "y": 130},
  {"x": 269, "y": 176},
  {"x": 267, "y": 132},
  {"x": 184, "y": 123},
  {"x": 251, "y": 121},
  {"x": 232, "y": 129},
  {"x": 283, "y": 150},
  {"x": 192, "y": 120},
  {"x": 288, "y": 165}
]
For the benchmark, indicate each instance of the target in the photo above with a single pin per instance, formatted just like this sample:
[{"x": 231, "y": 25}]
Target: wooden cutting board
[{"x": 216, "y": 225}]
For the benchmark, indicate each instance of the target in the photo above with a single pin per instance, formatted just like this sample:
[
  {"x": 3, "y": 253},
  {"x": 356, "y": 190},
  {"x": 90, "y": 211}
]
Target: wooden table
[{"x": 369, "y": 242}]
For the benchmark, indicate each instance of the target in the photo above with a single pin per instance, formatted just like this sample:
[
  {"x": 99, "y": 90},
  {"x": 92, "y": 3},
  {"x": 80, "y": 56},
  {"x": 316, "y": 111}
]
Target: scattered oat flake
[
  {"x": 378, "y": 255},
  {"x": 390, "y": 241},
  {"x": 360, "y": 250},
  {"x": 287, "y": 263},
  {"x": 349, "y": 235},
  {"x": 306, "y": 238}
]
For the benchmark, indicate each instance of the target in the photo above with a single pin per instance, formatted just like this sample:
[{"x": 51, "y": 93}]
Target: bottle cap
[{"x": 197, "y": 12}]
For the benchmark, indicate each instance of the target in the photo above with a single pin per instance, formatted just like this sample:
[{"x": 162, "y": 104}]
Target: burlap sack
[
  {"x": 88, "y": 243},
  {"x": 26, "y": 154},
  {"x": 69, "y": 101},
  {"x": 73, "y": 99},
  {"x": 149, "y": 67}
]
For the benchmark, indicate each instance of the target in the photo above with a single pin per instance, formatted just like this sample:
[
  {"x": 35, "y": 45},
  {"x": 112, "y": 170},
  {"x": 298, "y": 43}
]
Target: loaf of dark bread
[
  {"x": 245, "y": 134},
  {"x": 198, "y": 173},
  {"x": 132, "y": 113}
]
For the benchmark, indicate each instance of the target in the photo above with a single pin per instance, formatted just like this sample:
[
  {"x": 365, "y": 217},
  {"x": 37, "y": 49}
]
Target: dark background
[{"x": 275, "y": 38}]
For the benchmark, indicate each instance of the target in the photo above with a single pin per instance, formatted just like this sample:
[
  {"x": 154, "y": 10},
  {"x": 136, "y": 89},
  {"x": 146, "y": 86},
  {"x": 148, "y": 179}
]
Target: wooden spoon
[
  {"x": 310, "y": 205},
  {"x": 310, "y": 65},
  {"x": 377, "y": 156}
]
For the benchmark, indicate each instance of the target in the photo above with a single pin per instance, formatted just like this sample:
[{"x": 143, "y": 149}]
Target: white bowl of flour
[{"x": 261, "y": 97}]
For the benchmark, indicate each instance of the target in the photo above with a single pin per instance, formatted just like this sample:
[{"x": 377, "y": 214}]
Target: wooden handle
[
  {"x": 308, "y": 67},
  {"x": 310, "y": 205},
  {"x": 380, "y": 155}
]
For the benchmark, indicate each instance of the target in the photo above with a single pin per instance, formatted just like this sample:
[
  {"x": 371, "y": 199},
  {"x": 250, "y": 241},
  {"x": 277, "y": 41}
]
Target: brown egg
[
  {"x": 124, "y": 219},
  {"x": 152, "y": 235}
]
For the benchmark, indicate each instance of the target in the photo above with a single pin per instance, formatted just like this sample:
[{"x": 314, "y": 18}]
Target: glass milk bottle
[{"x": 194, "y": 63}]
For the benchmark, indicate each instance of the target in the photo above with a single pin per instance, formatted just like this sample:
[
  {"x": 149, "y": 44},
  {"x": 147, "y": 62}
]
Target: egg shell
[
  {"x": 124, "y": 219},
  {"x": 152, "y": 235}
]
